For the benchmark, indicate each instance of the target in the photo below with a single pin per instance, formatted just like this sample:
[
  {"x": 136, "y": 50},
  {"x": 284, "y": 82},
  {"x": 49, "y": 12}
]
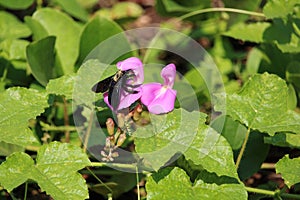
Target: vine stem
[
  {"x": 137, "y": 182},
  {"x": 239, "y": 158},
  {"x": 100, "y": 181},
  {"x": 232, "y": 10},
  {"x": 272, "y": 193},
  {"x": 88, "y": 132},
  {"x": 66, "y": 120},
  {"x": 26, "y": 189}
]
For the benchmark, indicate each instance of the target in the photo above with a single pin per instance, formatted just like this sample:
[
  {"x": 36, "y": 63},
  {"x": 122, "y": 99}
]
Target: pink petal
[
  {"x": 128, "y": 99},
  {"x": 105, "y": 98},
  {"x": 150, "y": 91},
  {"x": 168, "y": 73},
  {"x": 164, "y": 102},
  {"x": 135, "y": 65}
]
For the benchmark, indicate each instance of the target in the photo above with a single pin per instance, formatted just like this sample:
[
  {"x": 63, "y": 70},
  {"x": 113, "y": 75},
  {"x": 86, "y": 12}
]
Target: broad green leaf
[
  {"x": 253, "y": 61},
  {"x": 74, "y": 9},
  {"x": 62, "y": 86},
  {"x": 96, "y": 31},
  {"x": 14, "y": 49},
  {"x": 210, "y": 150},
  {"x": 292, "y": 98},
  {"x": 248, "y": 32},
  {"x": 37, "y": 53},
  {"x": 167, "y": 135},
  {"x": 262, "y": 105},
  {"x": 175, "y": 184},
  {"x": 14, "y": 171},
  {"x": 16, "y": 4},
  {"x": 184, "y": 132},
  {"x": 11, "y": 27},
  {"x": 279, "y": 8},
  {"x": 122, "y": 10},
  {"x": 91, "y": 72},
  {"x": 166, "y": 7},
  {"x": 55, "y": 171},
  {"x": 284, "y": 140},
  {"x": 293, "y": 73},
  {"x": 289, "y": 169},
  {"x": 87, "y": 3},
  {"x": 6, "y": 149},
  {"x": 233, "y": 131},
  {"x": 38, "y": 31},
  {"x": 254, "y": 155},
  {"x": 18, "y": 105},
  {"x": 67, "y": 33}
]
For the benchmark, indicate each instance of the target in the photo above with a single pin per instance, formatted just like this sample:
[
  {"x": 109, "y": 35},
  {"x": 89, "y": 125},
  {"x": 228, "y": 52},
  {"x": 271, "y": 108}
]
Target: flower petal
[
  {"x": 128, "y": 99},
  {"x": 134, "y": 64},
  {"x": 164, "y": 102},
  {"x": 150, "y": 90},
  {"x": 168, "y": 73}
]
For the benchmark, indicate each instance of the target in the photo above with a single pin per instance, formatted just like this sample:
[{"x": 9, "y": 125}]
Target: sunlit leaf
[
  {"x": 175, "y": 184},
  {"x": 18, "y": 105},
  {"x": 11, "y": 27},
  {"x": 37, "y": 53},
  {"x": 55, "y": 171},
  {"x": 16, "y": 4},
  {"x": 67, "y": 33},
  {"x": 262, "y": 105},
  {"x": 62, "y": 86},
  {"x": 73, "y": 8},
  {"x": 279, "y": 8},
  {"x": 289, "y": 169}
]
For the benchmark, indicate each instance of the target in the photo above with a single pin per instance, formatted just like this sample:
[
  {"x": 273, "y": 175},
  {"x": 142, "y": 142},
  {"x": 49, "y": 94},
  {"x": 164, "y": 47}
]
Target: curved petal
[
  {"x": 163, "y": 103},
  {"x": 105, "y": 98},
  {"x": 134, "y": 64},
  {"x": 128, "y": 99},
  {"x": 150, "y": 90},
  {"x": 168, "y": 73}
]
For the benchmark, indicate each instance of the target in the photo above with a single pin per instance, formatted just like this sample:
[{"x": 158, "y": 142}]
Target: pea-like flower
[
  {"x": 127, "y": 88},
  {"x": 160, "y": 98}
]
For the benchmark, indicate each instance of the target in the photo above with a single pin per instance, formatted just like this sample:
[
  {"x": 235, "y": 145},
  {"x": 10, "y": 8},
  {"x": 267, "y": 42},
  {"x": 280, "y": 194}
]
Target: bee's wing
[{"x": 102, "y": 86}]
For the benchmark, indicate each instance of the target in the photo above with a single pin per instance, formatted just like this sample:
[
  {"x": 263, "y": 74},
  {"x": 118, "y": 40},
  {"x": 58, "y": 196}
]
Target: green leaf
[
  {"x": 262, "y": 105},
  {"x": 293, "y": 73},
  {"x": 279, "y": 8},
  {"x": 38, "y": 31},
  {"x": 254, "y": 155},
  {"x": 18, "y": 105},
  {"x": 74, "y": 9},
  {"x": 166, "y": 7},
  {"x": 37, "y": 53},
  {"x": 67, "y": 33},
  {"x": 6, "y": 149},
  {"x": 156, "y": 142},
  {"x": 14, "y": 171},
  {"x": 55, "y": 171},
  {"x": 91, "y": 72},
  {"x": 175, "y": 184},
  {"x": 11, "y": 27},
  {"x": 233, "y": 131},
  {"x": 122, "y": 10},
  {"x": 289, "y": 169},
  {"x": 15, "y": 49},
  {"x": 284, "y": 140},
  {"x": 184, "y": 132},
  {"x": 62, "y": 86},
  {"x": 98, "y": 30},
  {"x": 16, "y": 4},
  {"x": 248, "y": 32}
]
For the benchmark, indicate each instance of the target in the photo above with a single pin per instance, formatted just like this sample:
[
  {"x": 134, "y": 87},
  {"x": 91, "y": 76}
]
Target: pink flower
[
  {"x": 130, "y": 90},
  {"x": 160, "y": 98}
]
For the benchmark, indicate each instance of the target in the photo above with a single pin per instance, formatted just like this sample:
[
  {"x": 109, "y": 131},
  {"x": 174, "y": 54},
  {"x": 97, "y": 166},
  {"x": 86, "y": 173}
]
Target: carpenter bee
[{"x": 116, "y": 85}]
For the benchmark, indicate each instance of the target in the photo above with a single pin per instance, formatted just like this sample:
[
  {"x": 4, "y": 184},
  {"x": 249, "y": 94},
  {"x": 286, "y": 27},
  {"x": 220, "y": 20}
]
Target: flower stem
[
  {"x": 232, "y": 10},
  {"x": 100, "y": 181},
  {"x": 239, "y": 158},
  {"x": 272, "y": 193},
  {"x": 137, "y": 182},
  {"x": 88, "y": 132},
  {"x": 66, "y": 120},
  {"x": 26, "y": 189}
]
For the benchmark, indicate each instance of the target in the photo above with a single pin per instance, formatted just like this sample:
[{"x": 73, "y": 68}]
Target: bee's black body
[{"x": 115, "y": 85}]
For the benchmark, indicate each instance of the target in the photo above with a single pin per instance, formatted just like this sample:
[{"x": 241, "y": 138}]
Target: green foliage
[
  {"x": 18, "y": 106},
  {"x": 64, "y": 161},
  {"x": 175, "y": 184},
  {"x": 53, "y": 52},
  {"x": 262, "y": 105},
  {"x": 285, "y": 166}
]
